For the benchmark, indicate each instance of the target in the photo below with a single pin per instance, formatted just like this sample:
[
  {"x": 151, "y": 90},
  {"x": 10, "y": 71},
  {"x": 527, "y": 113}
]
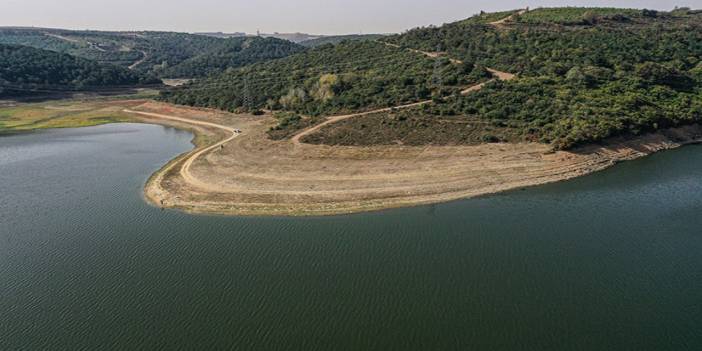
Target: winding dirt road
[
  {"x": 136, "y": 64},
  {"x": 255, "y": 175},
  {"x": 188, "y": 163},
  {"x": 499, "y": 75},
  {"x": 296, "y": 139}
]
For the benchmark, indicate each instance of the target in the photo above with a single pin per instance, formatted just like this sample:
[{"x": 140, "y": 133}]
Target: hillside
[
  {"x": 584, "y": 74},
  {"x": 158, "y": 53},
  {"x": 25, "y": 70},
  {"x": 232, "y": 53},
  {"x": 351, "y": 76}
]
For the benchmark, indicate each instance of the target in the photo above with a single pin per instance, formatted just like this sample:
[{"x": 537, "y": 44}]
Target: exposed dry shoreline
[{"x": 252, "y": 175}]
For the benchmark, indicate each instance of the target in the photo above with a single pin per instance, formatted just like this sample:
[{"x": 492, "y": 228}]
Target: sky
[{"x": 308, "y": 16}]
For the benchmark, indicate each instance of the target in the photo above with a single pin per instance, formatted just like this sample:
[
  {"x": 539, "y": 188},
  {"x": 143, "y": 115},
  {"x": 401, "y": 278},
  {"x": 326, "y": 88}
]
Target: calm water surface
[{"x": 611, "y": 261}]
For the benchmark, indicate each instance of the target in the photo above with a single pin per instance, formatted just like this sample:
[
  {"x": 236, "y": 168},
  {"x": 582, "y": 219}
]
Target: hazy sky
[{"x": 312, "y": 16}]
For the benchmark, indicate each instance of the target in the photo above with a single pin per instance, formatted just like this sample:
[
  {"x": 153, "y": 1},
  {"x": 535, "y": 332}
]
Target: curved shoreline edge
[{"x": 166, "y": 189}]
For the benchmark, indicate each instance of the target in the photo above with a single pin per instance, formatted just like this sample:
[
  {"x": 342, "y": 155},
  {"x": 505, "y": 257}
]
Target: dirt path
[
  {"x": 431, "y": 54},
  {"x": 499, "y": 75},
  {"x": 254, "y": 175},
  {"x": 188, "y": 163},
  {"x": 140, "y": 61},
  {"x": 508, "y": 18},
  {"x": 70, "y": 40},
  {"x": 296, "y": 139}
]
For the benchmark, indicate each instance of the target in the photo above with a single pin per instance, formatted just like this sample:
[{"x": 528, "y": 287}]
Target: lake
[{"x": 610, "y": 261}]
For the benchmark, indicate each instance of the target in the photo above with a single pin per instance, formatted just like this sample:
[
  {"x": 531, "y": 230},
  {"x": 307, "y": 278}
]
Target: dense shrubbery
[
  {"x": 585, "y": 74},
  {"x": 23, "y": 69},
  {"x": 581, "y": 15},
  {"x": 553, "y": 50},
  {"x": 625, "y": 72},
  {"x": 585, "y": 106},
  {"x": 329, "y": 79}
]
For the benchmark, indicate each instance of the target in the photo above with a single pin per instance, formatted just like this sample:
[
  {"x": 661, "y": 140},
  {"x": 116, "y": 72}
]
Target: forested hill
[
  {"x": 350, "y": 76},
  {"x": 583, "y": 74},
  {"x": 232, "y": 53},
  {"x": 25, "y": 70},
  {"x": 158, "y": 53}
]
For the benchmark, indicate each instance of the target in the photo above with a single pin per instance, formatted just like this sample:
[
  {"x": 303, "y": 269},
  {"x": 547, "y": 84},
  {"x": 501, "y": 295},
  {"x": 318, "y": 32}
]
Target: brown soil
[{"x": 253, "y": 175}]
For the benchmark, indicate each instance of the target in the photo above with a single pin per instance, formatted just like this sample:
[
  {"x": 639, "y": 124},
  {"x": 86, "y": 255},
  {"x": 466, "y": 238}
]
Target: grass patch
[{"x": 64, "y": 115}]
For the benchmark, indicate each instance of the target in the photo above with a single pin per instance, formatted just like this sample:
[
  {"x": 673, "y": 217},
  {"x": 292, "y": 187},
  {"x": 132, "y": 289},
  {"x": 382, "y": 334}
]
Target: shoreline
[
  {"x": 248, "y": 174},
  {"x": 231, "y": 174},
  {"x": 229, "y": 198}
]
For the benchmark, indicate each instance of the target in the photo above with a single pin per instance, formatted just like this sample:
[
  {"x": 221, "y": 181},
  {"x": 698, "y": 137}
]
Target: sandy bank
[{"x": 252, "y": 175}]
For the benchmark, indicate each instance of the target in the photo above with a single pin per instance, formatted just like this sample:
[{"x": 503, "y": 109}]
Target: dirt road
[
  {"x": 254, "y": 175},
  {"x": 188, "y": 163},
  {"x": 331, "y": 120},
  {"x": 296, "y": 139},
  {"x": 140, "y": 61},
  {"x": 508, "y": 18}
]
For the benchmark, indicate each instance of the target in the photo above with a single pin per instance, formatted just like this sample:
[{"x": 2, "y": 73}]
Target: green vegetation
[
  {"x": 584, "y": 106},
  {"x": 351, "y": 76},
  {"x": 65, "y": 115},
  {"x": 105, "y": 50},
  {"x": 159, "y": 53},
  {"x": 25, "y": 70},
  {"x": 578, "y": 15},
  {"x": 486, "y": 17},
  {"x": 620, "y": 72},
  {"x": 336, "y": 39},
  {"x": 232, "y": 53},
  {"x": 584, "y": 74}
]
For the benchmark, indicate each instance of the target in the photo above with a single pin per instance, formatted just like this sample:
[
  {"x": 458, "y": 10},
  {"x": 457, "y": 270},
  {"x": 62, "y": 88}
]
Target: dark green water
[{"x": 611, "y": 261}]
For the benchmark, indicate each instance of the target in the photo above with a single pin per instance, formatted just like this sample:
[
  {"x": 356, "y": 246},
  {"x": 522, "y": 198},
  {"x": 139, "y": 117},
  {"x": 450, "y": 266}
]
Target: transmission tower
[{"x": 248, "y": 101}]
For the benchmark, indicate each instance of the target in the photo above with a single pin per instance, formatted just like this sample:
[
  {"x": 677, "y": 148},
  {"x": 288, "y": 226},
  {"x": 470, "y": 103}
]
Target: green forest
[
  {"x": 584, "y": 74},
  {"x": 350, "y": 76},
  {"x": 24, "y": 70},
  {"x": 231, "y": 53},
  {"x": 165, "y": 54}
]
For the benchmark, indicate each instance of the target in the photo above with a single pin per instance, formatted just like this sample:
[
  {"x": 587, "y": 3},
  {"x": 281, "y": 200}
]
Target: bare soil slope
[{"x": 253, "y": 175}]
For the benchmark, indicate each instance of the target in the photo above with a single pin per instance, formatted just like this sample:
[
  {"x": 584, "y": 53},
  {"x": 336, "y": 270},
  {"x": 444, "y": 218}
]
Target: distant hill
[
  {"x": 336, "y": 39},
  {"x": 293, "y": 37},
  {"x": 25, "y": 70},
  {"x": 304, "y": 39},
  {"x": 149, "y": 52},
  {"x": 222, "y": 35},
  {"x": 583, "y": 75},
  {"x": 231, "y": 53}
]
